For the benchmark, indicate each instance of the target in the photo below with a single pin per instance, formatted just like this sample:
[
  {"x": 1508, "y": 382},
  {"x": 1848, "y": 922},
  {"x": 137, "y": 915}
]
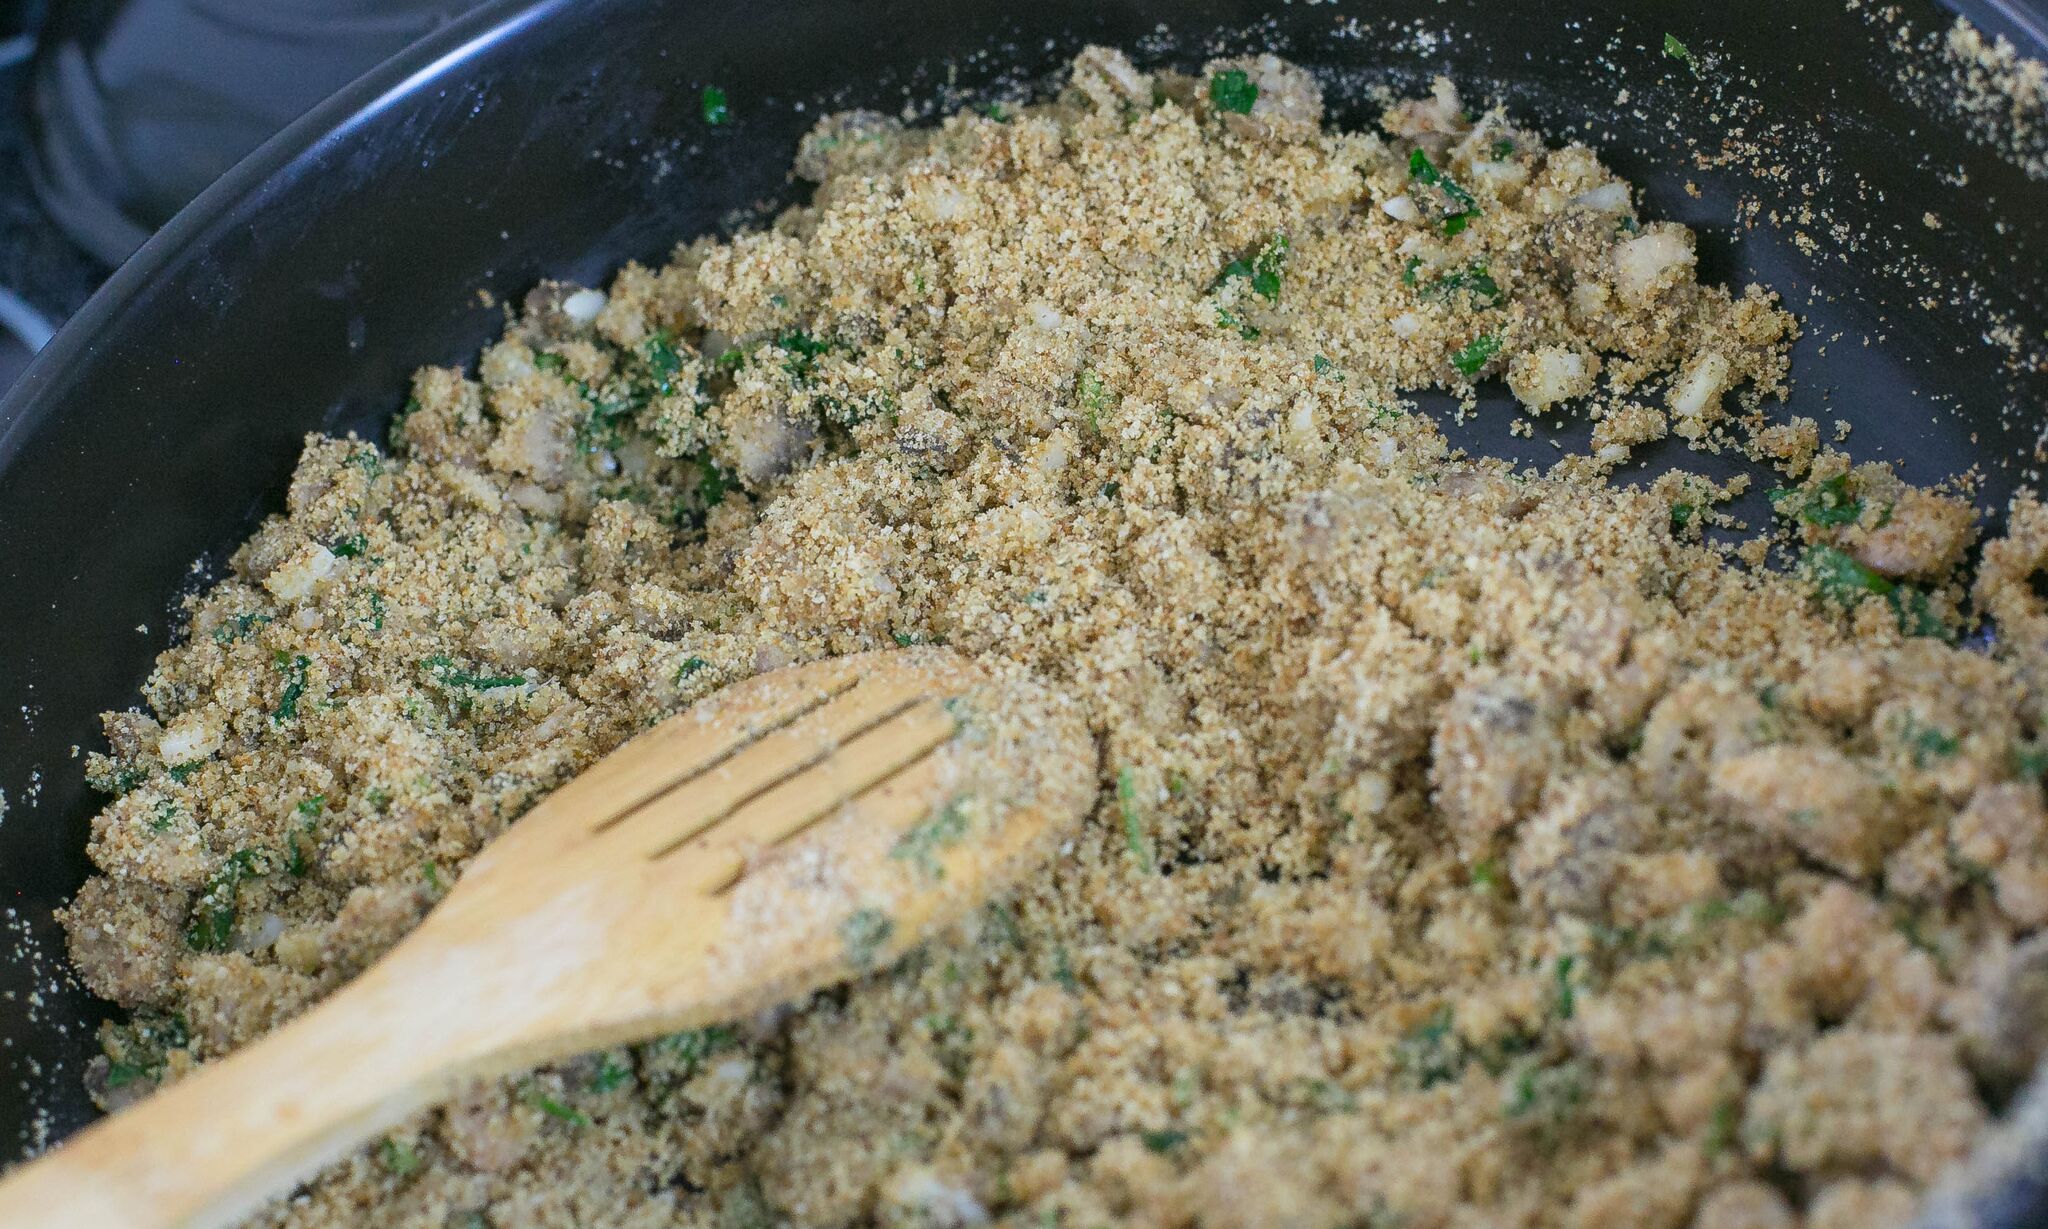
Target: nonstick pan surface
[{"x": 1817, "y": 149}]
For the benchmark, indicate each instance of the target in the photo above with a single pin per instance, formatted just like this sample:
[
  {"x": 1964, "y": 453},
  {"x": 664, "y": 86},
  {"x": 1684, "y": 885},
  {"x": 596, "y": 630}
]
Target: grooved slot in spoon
[
  {"x": 708, "y": 798},
  {"x": 805, "y": 797},
  {"x": 898, "y": 801},
  {"x": 660, "y": 777}
]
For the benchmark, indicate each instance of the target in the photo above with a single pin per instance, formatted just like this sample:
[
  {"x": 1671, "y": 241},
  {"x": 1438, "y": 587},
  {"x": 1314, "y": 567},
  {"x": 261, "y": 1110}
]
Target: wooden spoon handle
[{"x": 211, "y": 1148}]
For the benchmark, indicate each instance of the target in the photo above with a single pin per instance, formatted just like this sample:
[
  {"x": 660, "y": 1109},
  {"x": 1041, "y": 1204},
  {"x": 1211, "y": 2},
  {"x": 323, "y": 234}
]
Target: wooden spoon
[{"x": 791, "y": 831}]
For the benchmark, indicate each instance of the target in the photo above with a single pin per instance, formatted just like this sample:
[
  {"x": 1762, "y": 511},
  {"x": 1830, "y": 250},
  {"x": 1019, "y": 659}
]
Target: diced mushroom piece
[
  {"x": 1792, "y": 443},
  {"x": 1654, "y": 1194},
  {"x": 111, "y": 1096},
  {"x": 505, "y": 364},
  {"x": 1920, "y": 870},
  {"x": 1860, "y": 1203},
  {"x": 447, "y": 423},
  {"x": 124, "y": 938},
  {"x": 843, "y": 140},
  {"x": 372, "y": 918},
  {"x": 1818, "y": 799},
  {"x": 1744, "y": 1205},
  {"x": 1625, "y": 427},
  {"x": 763, "y": 447},
  {"x": 1507, "y": 176},
  {"x": 1698, "y": 723},
  {"x": 1854, "y": 1099},
  {"x": 2003, "y": 832},
  {"x": 535, "y": 441},
  {"x": 1004, "y": 1097},
  {"x": 1842, "y": 686},
  {"x": 2006, "y": 1042},
  {"x": 1430, "y": 122},
  {"x": 547, "y": 317},
  {"x": 1107, "y": 79},
  {"x": 1542, "y": 377},
  {"x": 934, "y": 438},
  {"x": 1925, "y": 536},
  {"x": 923, "y": 1195},
  {"x": 232, "y": 999},
  {"x": 1832, "y": 940},
  {"x": 1568, "y": 854},
  {"x": 130, "y": 733},
  {"x": 2005, "y": 577},
  {"x": 480, "y": 1128},
  {"x": 301, "y": 948},
  {"x": 1494, "y": 747}
]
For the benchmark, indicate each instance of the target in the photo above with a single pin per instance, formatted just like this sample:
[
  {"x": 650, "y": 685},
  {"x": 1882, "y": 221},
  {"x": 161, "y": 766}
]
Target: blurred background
[{"x": 114, "y": 113}]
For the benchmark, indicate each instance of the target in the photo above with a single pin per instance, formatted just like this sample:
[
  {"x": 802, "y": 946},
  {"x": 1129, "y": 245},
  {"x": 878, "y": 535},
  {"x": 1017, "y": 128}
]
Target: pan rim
[{"x": 439, "y": 58}]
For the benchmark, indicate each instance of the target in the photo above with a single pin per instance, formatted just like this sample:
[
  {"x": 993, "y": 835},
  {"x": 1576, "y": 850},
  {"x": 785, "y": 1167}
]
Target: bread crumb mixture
[{"x": 1473, "y": 847}]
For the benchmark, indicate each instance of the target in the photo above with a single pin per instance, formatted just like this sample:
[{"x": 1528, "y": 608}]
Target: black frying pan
[{"x": 560, "y": 139}]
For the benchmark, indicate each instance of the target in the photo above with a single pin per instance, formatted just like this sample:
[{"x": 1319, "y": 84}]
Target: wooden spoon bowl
[{"x": 789, "y": 832}]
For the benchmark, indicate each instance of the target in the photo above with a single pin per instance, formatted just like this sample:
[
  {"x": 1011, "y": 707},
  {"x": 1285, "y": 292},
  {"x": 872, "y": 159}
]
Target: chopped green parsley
[
  {"x": 1234, "y": 91},
  {"x": 1473, "y": 280},
  {"x": 663, "y": 362},
  {"x": 1839, "y": 578},
  {"x": 692, "y": 1046},
  {"x": 1263, "y": 269},
  {"x": 1827, "y": 504},
  {"x": 1134, "y": 830},
  {"x": 2030, "y": 761},
  {"x": 1461, "y": 208},
  {"x": 556, "y": 1109},
  {"x": 1225, "y": 318},
  {"x": 443, "y": 670},
  {"x": 399, "y": 1157},
  {"x": 1476, "y": 355},
  {"x": 716, "y": 110},
  {"x": 922, "y": 844},
  {"x": 611, "y": 1074},
  {"x": 865, "y": 932},
  {"x": 1566, "y": 1000},
  {"x": 238, "y": 627},
  {"x": 212, "y": 927},
  {"x": 294, "y": 686},
  {"x": 1678, "y": 51},
  {"x": 1094, "y": 397}
]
